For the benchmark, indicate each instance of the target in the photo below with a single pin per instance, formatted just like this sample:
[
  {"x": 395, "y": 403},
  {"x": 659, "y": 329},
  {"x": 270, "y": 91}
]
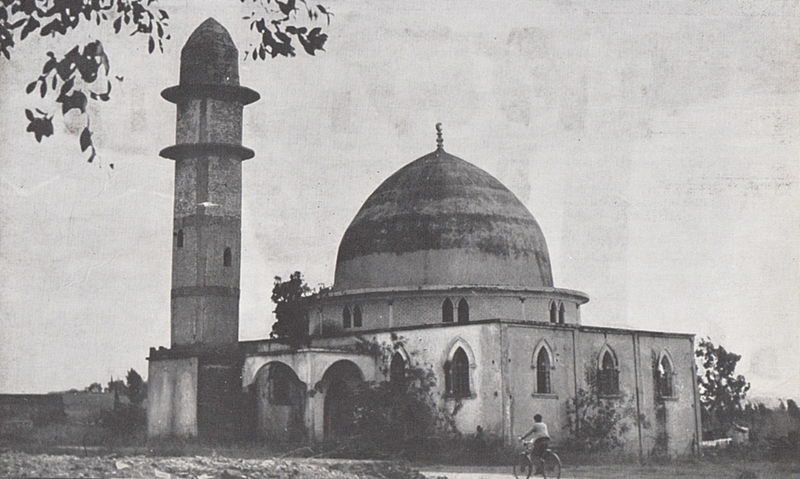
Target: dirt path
[{"x": 699, "y": 469}]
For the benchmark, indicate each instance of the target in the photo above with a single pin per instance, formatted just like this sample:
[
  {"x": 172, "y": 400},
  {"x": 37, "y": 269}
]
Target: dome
[
  {"x": 441, "y": 221},
  {"x": 209, "y": 56}
]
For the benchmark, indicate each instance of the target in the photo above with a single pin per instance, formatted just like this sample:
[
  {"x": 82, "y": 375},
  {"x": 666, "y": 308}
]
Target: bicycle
[{"x": 549, "y": 460}]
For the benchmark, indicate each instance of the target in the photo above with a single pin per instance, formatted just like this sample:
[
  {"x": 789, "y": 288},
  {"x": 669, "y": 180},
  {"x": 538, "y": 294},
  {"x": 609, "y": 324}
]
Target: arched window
[
  {"x": 459, "y": 374},
  {"x": 543, "y": 372},
  {"x": 608, "y": 375},
  {"x": 553, "y": 312},
  {"x": 397, "y": 369},
  {"x": 346, "y": 317},
  {"x": 561, "y": 313},
  {"x": 447, "y": 311},
  {"x": 664, "y": 375},
  {"x": 226, "y": 257},
  {"x": 357, "y": 317},
  {"x": 463, "y": 311},
  {"x": 179, "y": 240}
]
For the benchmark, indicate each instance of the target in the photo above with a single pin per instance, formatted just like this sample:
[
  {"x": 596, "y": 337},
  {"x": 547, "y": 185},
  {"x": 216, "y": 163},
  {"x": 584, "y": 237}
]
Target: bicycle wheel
[
  {"x": 552, "y": 465},
  {"x": 522, "y": 467}
]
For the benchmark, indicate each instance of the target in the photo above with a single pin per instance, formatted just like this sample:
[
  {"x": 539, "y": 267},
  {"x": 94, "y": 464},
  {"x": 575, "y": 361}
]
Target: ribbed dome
[{"x": 442, "y": 221}]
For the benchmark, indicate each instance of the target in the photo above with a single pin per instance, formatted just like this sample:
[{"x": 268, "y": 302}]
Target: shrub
[
  {"x": 595, "y": 423},
  {"x": 124, "y": 419}
]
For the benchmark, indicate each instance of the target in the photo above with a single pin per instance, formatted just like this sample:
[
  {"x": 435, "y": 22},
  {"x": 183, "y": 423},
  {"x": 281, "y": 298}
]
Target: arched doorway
[
  {"x": 280, "y": 403},
  {"x": 339, "y": 382}
]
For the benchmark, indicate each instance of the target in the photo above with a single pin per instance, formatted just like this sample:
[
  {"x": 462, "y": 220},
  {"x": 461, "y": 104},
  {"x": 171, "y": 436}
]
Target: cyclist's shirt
[{"x": 538, "y": 431}]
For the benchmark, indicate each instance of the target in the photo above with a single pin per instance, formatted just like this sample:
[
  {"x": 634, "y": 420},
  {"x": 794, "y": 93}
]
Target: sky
[{"x": 656, "y": 143}]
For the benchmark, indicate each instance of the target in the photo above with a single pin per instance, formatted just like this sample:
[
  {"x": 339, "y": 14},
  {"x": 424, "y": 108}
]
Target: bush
[
  {"x": 596, "y": 424},
  {"x": 124, "y": 419}
]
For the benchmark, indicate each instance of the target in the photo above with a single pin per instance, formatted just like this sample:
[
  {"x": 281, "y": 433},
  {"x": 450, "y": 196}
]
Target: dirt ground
[
  {"x": 696, "y": 469},
  {"x": 17, "y": 464}
]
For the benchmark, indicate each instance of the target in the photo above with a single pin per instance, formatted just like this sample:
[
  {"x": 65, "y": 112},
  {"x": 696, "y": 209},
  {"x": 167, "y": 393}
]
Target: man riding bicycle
[{"x": 541, "y": 440}]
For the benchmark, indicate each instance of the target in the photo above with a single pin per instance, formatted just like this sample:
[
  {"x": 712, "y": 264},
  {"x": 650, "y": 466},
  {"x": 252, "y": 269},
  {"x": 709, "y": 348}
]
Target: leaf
[
  {"x": 31, "y": 86},
  {"x": 151, "y": 45},
  {"x": 117, "y": 24},
  {"x": 86, "y": 140},
  {"x": 29, "y": 114},
  {"x": 43, "y": 89},
  {"x": 76, "y": 100},
  {"x": 32, "y": 25}
]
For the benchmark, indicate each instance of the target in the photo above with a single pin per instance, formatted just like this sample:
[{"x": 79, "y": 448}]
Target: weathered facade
[{"x": 441, "y": 255}]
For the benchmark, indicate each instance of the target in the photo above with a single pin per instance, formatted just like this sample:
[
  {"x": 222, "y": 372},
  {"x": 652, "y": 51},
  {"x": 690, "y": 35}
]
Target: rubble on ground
[{"x": 17, "y": 464}]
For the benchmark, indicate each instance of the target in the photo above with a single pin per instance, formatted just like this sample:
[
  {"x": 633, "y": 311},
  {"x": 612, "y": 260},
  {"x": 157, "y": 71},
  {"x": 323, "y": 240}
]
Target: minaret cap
[
  {"x": 439, "y": 139},
  {"x": 210, "y": 67}
]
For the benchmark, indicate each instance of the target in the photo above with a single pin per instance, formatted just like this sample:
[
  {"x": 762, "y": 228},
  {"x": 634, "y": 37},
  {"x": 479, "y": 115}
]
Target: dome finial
[{"x": 439, "y": 139}]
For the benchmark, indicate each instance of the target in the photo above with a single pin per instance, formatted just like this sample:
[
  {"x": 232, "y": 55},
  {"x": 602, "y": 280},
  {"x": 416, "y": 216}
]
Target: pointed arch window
[
  {"x": 543, "y": 372},
  {"x": 227, "y": 257},
  {"x": 664, "y": 374},
  {"x": 459, "y": 374},
  {"x": 447, "y": 311},
  {"x": 463, "y": 311},
  {"x": 357, "y": 317},
  {"x": 561, "y": 311},
  {"x": 397, "y": 369},
  {"x": 553, "y": 312},
  {"x": 179, "y": 239},
  {"x": 346, "y": 321},
  {"x": 608, "y": 375}
]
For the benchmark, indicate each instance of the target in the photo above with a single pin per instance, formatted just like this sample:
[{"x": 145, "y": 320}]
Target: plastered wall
[{"x": 172, "y": 397}]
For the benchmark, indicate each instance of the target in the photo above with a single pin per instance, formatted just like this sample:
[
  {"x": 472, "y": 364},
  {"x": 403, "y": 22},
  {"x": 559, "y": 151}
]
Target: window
[
  {"x": 463, "y": 311},
  {"x": 357, "y": 317},
  {"x": 664, "y": 375},
  {"x": 226, "y": 257},
  {"x": 561, "y": 312},
  {"x": 447, "y": 311},
  {"x": 608, "y": 375},
  {"x": 346, "y": 317},
  {"x": 459, "y": 374},
  {"x": 179, "y": 241},
  {"x": 397, "y": 369},
  {"x": 543, "y": 372},
  {"x": 553, "y": 312}
]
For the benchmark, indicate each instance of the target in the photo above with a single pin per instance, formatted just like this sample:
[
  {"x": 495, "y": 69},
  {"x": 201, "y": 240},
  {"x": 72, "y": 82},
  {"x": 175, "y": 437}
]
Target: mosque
[{"x": 441, "y": 255}]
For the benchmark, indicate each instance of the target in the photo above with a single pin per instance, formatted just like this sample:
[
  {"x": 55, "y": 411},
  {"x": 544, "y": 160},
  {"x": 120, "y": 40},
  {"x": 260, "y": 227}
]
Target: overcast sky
[{"x": 656, "y": 143}]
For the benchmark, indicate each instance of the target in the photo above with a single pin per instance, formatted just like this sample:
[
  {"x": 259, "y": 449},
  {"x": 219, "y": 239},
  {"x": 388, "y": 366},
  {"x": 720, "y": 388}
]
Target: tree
[
  {"x": 721, "y": 393},
  {"x": 115, "y": 386},
  {"x": 135, "y": 389},
  {"x": 291, "y": 325},
  {"x": 82, "y": 73},
  {"x": 94, "y": 388}
]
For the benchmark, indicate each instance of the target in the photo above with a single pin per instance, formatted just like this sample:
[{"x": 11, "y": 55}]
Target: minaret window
[
  {"x": 357, "y": 317},
  {"x": 346, "y": 322},
  {"x": 447, "y": 311},
  {"x": 226, "y": 257},
  {"x": 561, "y": 313},
  {"x": 553, "y": 312},
  {"x": 179, "y": 240},
  {"x": 463, "y": 311}
]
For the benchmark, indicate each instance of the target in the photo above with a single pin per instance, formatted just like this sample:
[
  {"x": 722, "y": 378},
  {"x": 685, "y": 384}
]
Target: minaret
[{"x": 208, "y": 154}]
